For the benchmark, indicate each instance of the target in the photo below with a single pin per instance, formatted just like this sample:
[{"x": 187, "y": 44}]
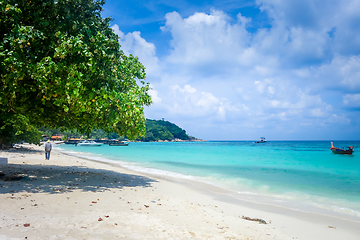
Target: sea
[{"x": 298, "y": 175}]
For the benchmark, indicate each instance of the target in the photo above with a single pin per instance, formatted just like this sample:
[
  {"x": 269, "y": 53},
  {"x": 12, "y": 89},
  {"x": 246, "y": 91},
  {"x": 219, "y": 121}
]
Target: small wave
[
  {"x": 128, "y": 165},
  {"x": 158, "y": 172},
  {"x": 301, "y": 202}
]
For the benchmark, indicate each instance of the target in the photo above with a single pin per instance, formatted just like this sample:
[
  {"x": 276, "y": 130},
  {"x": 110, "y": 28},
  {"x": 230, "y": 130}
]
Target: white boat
[
  {"x": 262, "y": 140},
  {"x": 119, "y": 143},
  {"x": 88, "y": 143}
]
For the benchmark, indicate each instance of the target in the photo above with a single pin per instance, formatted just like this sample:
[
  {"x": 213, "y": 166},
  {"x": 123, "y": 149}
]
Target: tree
[
  {"x": 61, "y": 66},
  {"x": 17, "y": 129}
]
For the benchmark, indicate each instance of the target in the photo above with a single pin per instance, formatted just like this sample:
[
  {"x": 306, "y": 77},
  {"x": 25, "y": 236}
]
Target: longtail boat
[{"x": 342, "y": 150}]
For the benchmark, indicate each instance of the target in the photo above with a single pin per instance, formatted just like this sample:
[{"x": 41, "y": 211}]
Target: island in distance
[{"x": 165, "y": 131}]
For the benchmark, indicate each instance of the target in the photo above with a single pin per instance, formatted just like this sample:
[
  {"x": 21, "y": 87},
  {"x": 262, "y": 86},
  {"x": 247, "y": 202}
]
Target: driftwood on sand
[{"x": 254, "y": 219}]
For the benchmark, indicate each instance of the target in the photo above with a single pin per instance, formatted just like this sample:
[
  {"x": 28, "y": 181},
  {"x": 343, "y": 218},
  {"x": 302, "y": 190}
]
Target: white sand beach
[{"x": 68, "y": 197}]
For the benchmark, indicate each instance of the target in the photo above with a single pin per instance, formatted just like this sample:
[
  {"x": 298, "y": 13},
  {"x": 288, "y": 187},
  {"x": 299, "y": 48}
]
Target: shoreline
[
  {"x": 191, "y": 210},
  {"x": 281, "y": 201}
]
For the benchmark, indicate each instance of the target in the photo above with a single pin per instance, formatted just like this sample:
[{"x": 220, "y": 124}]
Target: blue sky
[{"x": 240, "y": 70}]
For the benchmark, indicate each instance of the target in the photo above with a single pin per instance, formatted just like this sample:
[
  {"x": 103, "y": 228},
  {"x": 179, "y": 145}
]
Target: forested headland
[
  {"x": 156, "y": 130},
  {"x": 160, "y": 130}
]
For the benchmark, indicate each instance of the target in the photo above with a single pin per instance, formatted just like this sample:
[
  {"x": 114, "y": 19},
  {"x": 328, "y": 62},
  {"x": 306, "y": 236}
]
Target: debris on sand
[{"x": 255, "y": 219}]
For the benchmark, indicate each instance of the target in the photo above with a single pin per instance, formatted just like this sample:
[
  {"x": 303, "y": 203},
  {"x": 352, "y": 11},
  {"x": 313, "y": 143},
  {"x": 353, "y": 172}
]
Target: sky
[{"x": 245, "y": 69}]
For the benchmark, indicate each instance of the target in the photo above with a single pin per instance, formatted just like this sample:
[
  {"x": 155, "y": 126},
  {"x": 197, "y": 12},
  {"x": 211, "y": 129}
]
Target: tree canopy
[
  {"x": 61, "y": 66},
  {"x": 95, "y": 134}
]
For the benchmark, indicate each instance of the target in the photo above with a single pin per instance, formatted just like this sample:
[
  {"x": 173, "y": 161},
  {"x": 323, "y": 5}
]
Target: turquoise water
[{"x": 303, "y": 175}]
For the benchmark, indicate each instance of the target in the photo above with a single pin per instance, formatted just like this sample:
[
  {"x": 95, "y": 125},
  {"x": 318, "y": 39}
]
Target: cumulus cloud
[
  {"x": 206, "y": 38},
  {"x": 133, "y": 43},
  {"x": 188, "y": 102},
  {"x": 154, "y": 95},
  {"x": 330, "y": 27},
  {"x": 352, "y": 100},
  {"x": 342, "y": 72},
  {"x": 298, "y": 76}
]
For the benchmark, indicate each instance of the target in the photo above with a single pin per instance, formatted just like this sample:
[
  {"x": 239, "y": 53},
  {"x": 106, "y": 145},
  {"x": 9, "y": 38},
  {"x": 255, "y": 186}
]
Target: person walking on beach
[{"x": 48, "y": 148}]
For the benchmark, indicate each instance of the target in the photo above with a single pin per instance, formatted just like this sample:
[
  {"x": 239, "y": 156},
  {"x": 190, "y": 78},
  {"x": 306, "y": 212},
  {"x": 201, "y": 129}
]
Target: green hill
[
  {"x": 163, "y": 130},
  {"x": 155, "y": 130}
]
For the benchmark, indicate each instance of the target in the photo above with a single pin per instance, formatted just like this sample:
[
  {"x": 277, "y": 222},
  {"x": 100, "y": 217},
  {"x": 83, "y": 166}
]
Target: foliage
[
  {"x": 20, "y": 129},
  {"x": 95, "y": 134},
  {"x": 57, "y": 131},
  {"x": 61, "y": 67},
  {"x": 163, "y": 130}
]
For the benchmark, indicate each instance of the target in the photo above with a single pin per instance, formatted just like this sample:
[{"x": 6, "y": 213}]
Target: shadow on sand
[{"x": 54, "y": 179}]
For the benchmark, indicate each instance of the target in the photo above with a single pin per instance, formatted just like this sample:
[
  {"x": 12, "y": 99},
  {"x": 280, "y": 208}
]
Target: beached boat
[
  {"x": 88, "y": 143},
  {"x": 348, "y": 151},
  {"x": 262, "y": 140},
  {"x": 119, "y": 143}
]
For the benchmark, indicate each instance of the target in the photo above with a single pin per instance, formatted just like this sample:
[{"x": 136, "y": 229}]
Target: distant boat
[
  {"x": 88, "y": 143},
  {"x": 119, "y": 143},
  {"x": 262, "y": 140},
  {"x": 72, "y": 141},
  {"x": 342, "y": 150}
]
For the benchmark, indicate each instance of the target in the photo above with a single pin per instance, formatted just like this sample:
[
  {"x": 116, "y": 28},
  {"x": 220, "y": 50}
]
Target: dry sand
[{"x": 74, "y": 198}]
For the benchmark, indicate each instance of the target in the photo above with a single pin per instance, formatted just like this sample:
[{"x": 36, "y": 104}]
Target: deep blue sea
[{"x": 302, "y": 175}]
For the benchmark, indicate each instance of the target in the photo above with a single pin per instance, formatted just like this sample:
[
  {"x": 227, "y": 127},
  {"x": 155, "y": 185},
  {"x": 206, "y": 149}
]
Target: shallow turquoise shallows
[{"x": 303, "y": 175}]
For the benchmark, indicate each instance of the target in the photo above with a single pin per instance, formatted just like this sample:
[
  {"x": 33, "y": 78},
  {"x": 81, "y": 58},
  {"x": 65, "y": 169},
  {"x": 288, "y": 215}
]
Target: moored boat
[
  {"x": 72, "y": 141},
  {"x": 88, "y": 143},
  {"x": 262, "y": 140},
  {"x": 119, "y": 143},
  {"x": 342, "y": 150}
]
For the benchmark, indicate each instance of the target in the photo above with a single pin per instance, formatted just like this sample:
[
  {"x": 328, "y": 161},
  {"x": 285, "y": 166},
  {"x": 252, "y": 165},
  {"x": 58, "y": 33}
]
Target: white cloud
[
  {"x": 187, "y": 89},
  {"x": 352, "y": 100},
  {"x": 154, "y": 95},
  {"x": 351, "y": 72},
  {"x": 187, "y": 101},
  {"x": 146, "y": 52},
  {"x": 207, "y": 100},
  {"x": 316, "y": 112},
  {"x": 271, "y": 90},
  {"x": 316, "y": 25},
  {"x": 293, "y": 77},
  {"x": 206, "y": 38},
  {"x": 342, "y": 72},
  {"x": 339, "y": 119}
]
